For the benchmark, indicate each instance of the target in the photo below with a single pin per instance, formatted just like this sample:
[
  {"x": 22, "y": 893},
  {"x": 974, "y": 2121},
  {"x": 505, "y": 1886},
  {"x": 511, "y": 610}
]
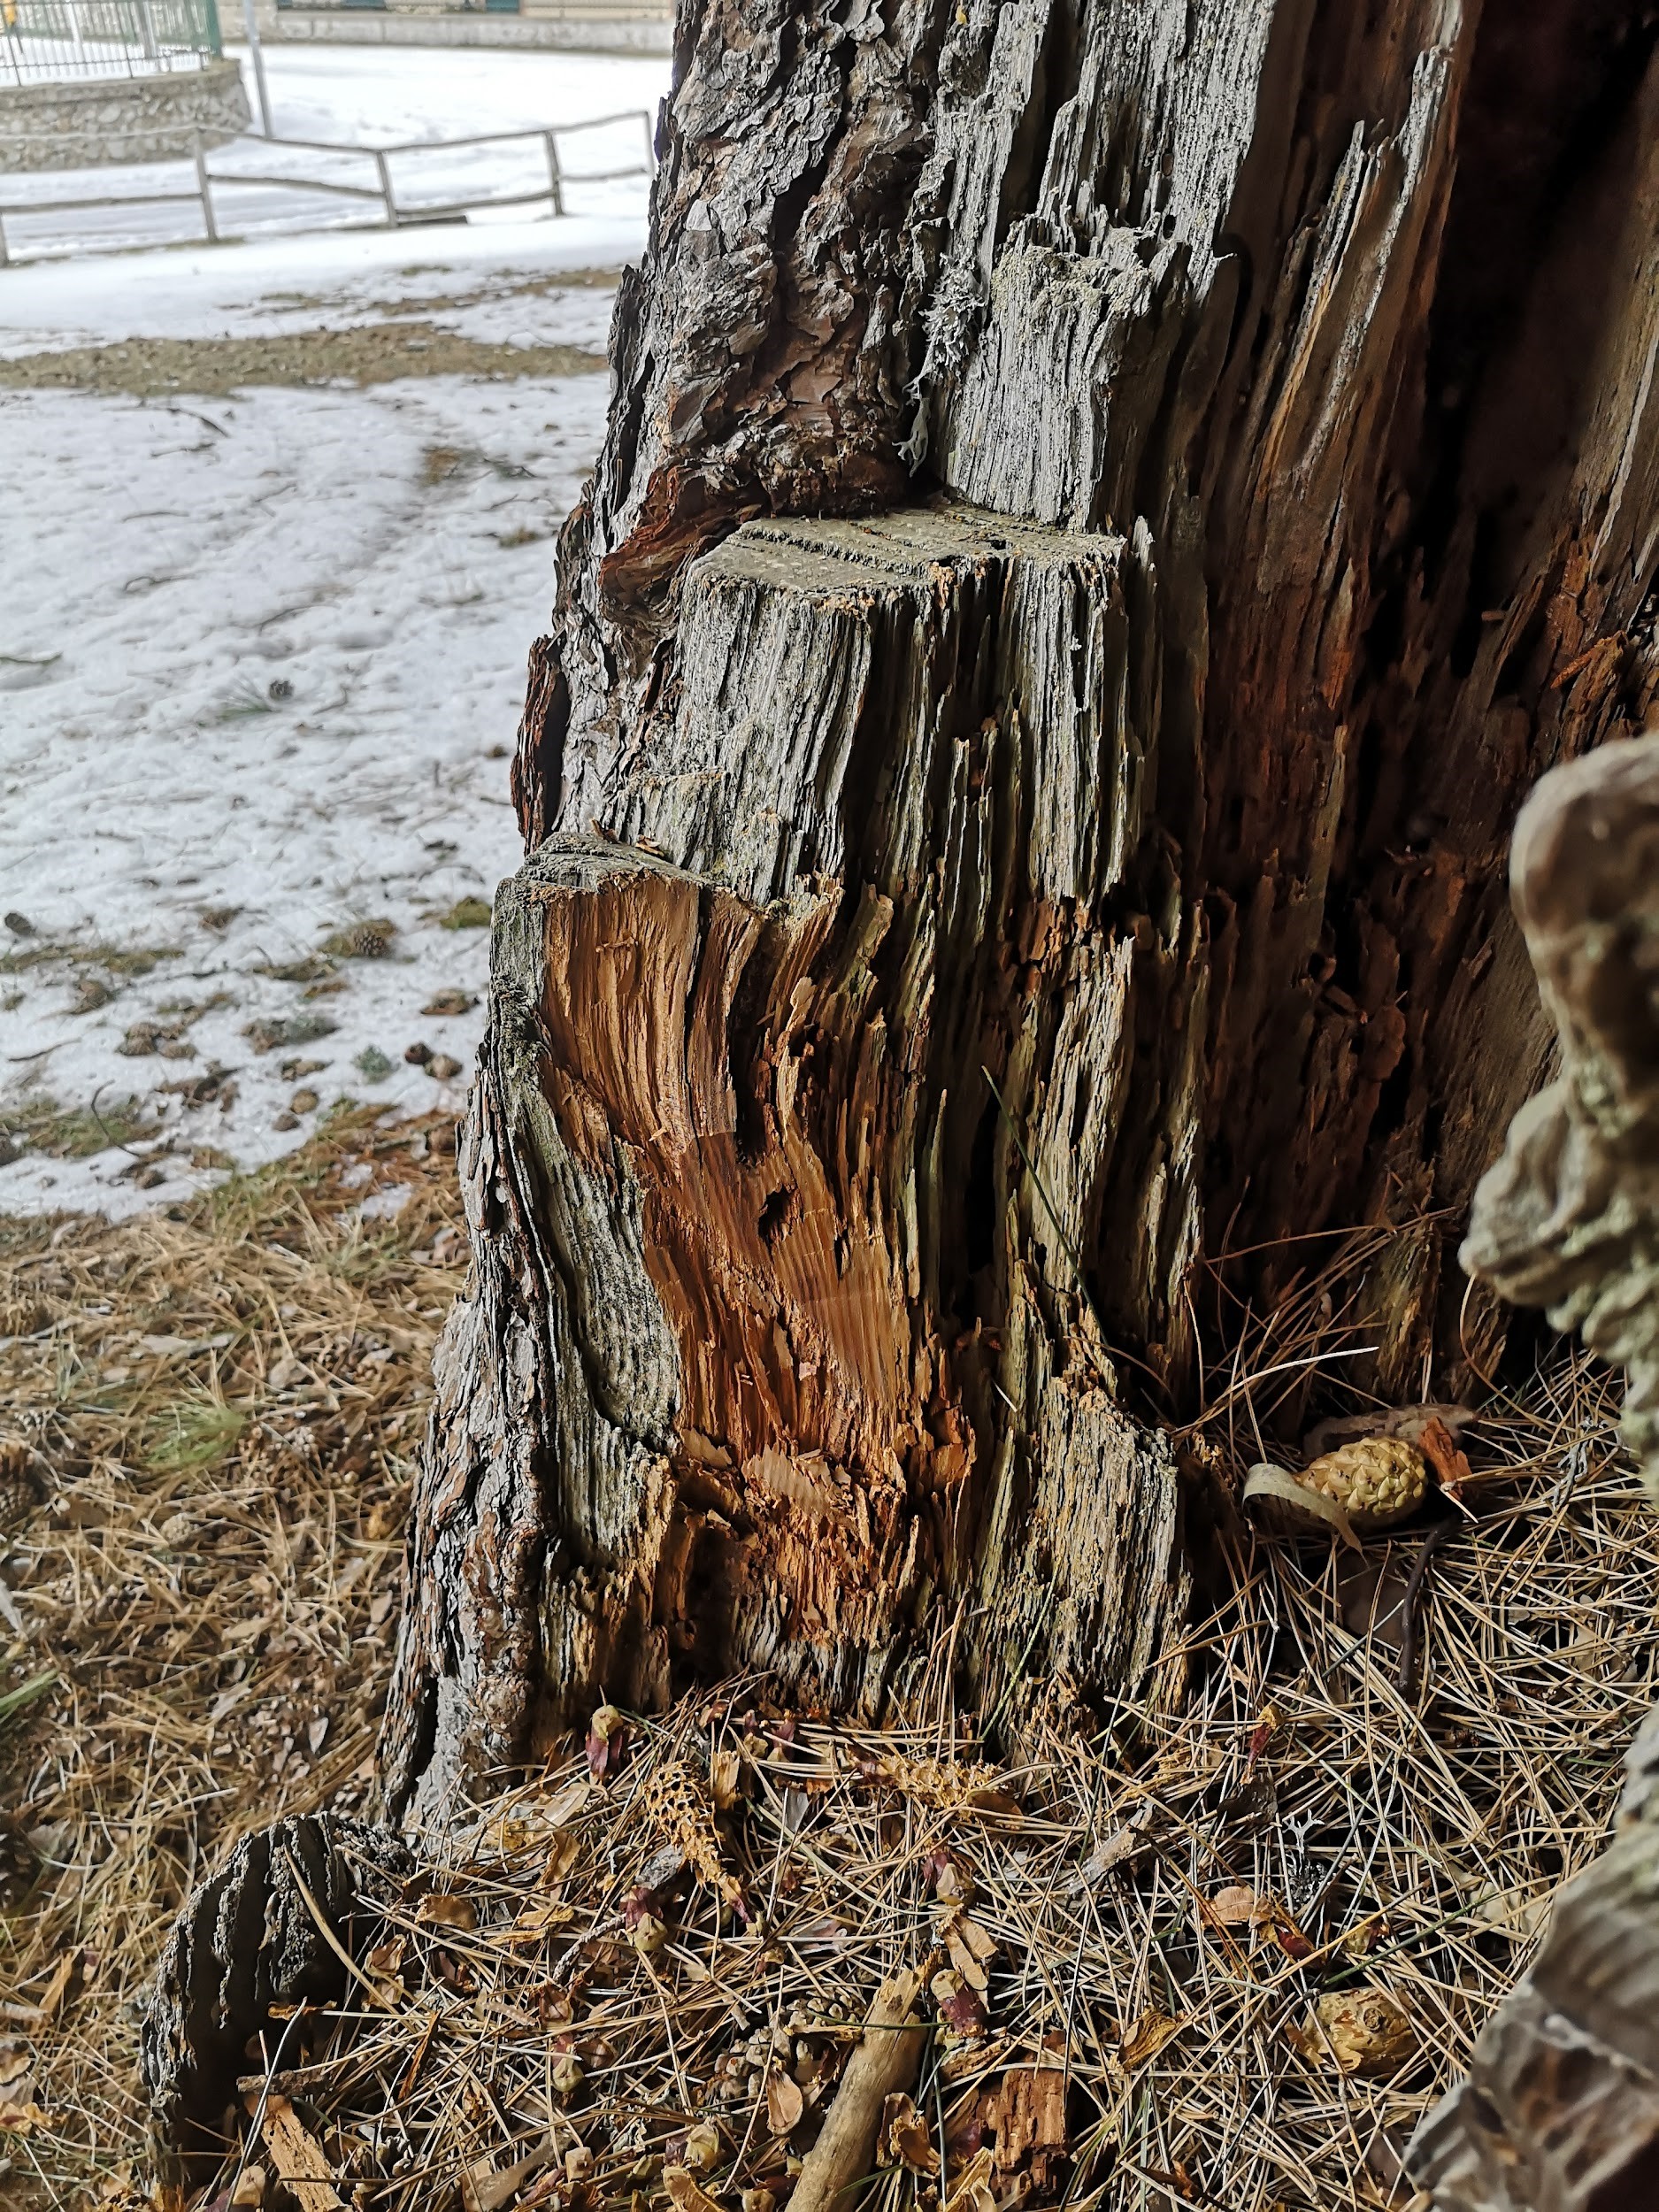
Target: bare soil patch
[{"x": 372, "y": 353}]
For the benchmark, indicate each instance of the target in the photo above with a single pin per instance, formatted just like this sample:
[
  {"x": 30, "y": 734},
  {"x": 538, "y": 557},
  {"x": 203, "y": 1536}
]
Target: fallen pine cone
[
  {"x": 1376, "y": 1483},
  {"x": 1358, "y": 2031},
  {"x": 1356, "y": 1490},
  {"x": 20, "y": 1491}
]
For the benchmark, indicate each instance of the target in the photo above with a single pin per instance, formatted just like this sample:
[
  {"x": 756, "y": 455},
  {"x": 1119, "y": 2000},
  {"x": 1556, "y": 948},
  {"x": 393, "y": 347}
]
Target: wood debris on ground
[{"x": 1222, "y": 1958}]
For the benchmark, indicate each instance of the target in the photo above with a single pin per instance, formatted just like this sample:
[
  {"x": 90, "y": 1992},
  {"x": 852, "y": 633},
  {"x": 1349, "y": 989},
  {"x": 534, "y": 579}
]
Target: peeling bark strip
[
  {"x": 1561, "y": 2110},
  {"x": 1313, "y": 344}
]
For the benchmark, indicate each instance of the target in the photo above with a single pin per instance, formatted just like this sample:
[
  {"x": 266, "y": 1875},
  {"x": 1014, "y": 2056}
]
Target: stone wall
[
  {"x": 589, "y": 27},
  {"x": 101, "y": 119}
]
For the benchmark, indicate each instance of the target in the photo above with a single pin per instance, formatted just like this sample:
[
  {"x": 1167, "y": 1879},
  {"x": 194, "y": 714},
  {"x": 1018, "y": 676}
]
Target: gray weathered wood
[{"x": 886, "y": 2061}]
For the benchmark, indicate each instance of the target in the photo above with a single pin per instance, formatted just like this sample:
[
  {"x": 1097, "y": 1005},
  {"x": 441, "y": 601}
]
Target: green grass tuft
[
  {"x": 18, "y": 1700},
  {"x": 191, "y": 1433},
  {"x": 468, "y": 913},
  {"x": 76, "y": 1133}
]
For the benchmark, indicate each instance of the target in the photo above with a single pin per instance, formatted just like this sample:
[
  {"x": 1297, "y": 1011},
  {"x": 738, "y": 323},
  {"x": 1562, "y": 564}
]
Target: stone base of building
[
  {"x": 588, "y": 28},
  {"x": 101, "y": 119}
]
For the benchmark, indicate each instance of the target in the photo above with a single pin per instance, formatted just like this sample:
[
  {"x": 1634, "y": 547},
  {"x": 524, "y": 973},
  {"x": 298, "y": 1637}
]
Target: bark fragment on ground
[{"x": 263, "y": 1936}]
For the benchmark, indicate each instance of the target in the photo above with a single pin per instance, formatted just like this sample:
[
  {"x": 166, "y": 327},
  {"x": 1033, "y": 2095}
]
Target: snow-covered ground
[
  {"x": 261, "y": 663},
  {"x": 378, "y": 94},
  {"x": 340, "y": 279}
]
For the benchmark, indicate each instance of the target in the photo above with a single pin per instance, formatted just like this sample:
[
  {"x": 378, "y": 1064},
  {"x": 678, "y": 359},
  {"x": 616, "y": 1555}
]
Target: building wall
[
  {"x": 98, "y": 119},
  {"x": 580, "y": 25}
]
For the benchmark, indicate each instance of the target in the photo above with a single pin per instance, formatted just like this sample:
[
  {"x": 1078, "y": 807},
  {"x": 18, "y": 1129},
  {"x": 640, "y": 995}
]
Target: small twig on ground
[{"x": 884, "y": 2063}]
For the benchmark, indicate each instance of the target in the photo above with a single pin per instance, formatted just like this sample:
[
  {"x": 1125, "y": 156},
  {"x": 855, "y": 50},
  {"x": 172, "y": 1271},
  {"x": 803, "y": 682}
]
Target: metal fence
[
  {"x": 374, "y": 186},
  {"x": 56, "y": 41}
]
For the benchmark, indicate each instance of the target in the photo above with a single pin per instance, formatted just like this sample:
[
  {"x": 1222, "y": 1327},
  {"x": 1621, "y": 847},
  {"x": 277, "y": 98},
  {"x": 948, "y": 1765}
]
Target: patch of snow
[
  {"x": 262, "y": 659},
  {"x": 386, "y": 1205},
  {"x": 384, "y": 94},
  {"x": 335, "y": 278},
  {"x": 160, "y": 797}
]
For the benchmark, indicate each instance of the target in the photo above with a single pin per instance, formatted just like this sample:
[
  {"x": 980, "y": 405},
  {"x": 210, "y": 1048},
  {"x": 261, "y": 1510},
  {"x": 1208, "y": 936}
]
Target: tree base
[{"x": 782, "y": 1160}]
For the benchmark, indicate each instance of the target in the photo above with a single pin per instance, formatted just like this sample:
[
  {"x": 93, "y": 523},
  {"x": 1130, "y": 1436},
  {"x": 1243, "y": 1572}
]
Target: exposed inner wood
[{"x": 814, "y": 1352}]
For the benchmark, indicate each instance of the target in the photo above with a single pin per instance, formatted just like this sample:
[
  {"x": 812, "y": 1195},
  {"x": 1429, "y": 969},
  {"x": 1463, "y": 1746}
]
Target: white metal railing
[
  {"x": 394, "y": 211},
  {"x": 51, "y": 41},
  {"x": 545, "y": 11}
]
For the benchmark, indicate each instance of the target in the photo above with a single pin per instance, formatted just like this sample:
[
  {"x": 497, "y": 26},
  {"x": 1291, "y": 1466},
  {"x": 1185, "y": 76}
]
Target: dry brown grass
[
  {"x": 209, "y": 1418},
  {"x": 216, "y": 368}
]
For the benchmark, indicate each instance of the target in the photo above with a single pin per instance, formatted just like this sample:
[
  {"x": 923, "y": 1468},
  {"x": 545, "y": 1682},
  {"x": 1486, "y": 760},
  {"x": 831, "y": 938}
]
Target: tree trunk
[{"x": 1107, "y": 507}]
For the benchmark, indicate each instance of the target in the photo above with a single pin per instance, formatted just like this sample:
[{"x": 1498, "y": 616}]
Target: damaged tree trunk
[{"x": 1107, "y": 507}]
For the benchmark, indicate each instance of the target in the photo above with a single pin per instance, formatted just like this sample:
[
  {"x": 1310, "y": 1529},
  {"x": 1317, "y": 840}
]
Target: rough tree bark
[{"x": 1107, "y": 506}]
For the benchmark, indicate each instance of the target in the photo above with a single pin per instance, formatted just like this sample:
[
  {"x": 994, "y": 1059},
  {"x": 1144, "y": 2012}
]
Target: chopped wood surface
[{"x": 722, "y": 1158}]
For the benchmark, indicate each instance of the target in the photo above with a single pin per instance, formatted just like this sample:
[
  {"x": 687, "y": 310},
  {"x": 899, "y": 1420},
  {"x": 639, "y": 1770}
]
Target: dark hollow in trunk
[{"x": 1107, "y": 507}]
